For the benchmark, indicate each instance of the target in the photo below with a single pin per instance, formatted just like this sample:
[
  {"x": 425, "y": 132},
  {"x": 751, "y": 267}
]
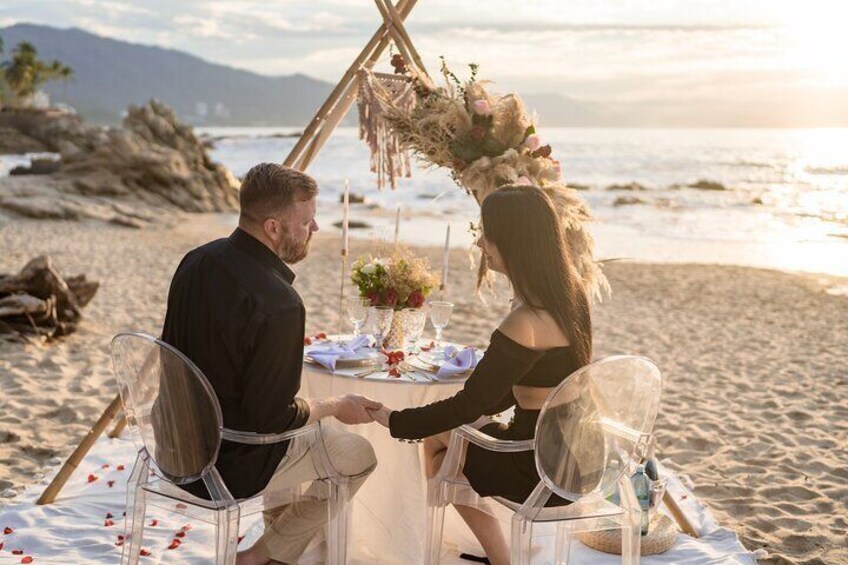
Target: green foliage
[{"x": 25, "y": 73}]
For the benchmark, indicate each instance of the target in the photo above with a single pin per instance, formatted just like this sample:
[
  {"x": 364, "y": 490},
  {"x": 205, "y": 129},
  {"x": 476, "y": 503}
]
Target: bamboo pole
[
  {"x": 52, "y": 490},
  {"x": 332, "y": 121},
  {"x": 395, "y": 33},
  {"x": 397, "y": 22},
  {"x": 119, "y": 427},
  {"x": 677, "y": 513},
  {"x": 370, "y": 53}
]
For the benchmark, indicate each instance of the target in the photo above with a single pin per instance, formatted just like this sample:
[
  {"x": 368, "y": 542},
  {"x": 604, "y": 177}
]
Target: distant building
[{"x": 221, "y": 111}]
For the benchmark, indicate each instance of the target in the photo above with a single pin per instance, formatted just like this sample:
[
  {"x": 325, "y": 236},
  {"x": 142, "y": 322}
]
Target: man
[{"x": 233, "y": 311}]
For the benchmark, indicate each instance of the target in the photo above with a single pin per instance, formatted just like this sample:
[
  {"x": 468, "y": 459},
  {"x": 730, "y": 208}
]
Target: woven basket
[{"x": 660, "y": 537}]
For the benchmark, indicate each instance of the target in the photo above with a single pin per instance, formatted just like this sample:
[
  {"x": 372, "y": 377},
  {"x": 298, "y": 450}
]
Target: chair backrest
[
  {"x": 594, "y": 423},
  {"x": 171, "y": 408}
]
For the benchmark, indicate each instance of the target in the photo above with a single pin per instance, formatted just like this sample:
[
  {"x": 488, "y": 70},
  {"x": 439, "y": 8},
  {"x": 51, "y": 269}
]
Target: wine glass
[
  {"x": 357, "y": 312},
  {"x": 440, "y": 314},
  {"x": 381, "y": 320},
  {"x": 414, "y": 321}
]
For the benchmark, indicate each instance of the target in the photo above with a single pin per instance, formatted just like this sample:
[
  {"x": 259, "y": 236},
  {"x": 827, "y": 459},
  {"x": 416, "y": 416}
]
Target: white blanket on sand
[{"x": 75, "y": 529}]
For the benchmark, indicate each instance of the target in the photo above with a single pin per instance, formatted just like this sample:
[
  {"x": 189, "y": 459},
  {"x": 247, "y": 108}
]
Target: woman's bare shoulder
[{"x": 534, "y": 329}]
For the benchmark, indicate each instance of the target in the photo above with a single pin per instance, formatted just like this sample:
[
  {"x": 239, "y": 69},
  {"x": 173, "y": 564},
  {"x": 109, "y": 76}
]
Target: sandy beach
[{"x": 755, "y": 406}]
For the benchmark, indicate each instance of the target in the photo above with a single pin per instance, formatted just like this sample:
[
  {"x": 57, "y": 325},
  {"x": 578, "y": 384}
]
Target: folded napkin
[
  {"x": 327, "y": 355},
  {"x": 457, "y": 362}
]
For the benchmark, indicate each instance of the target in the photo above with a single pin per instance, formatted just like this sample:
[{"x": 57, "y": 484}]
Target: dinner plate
[
  {"x": 362, "y": 359},
  {"x": 416, "y": 362}
]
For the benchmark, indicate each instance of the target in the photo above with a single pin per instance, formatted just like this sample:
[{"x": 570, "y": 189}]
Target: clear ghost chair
[
  {"x": 591, "y": 432},
  {"x": 175, "y": 421}
]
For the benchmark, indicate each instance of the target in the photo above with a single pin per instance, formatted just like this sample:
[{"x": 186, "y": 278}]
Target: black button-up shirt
[{"x": 233, "y": 311}]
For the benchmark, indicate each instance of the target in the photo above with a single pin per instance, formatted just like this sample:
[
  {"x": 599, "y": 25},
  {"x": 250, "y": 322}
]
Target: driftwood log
[{"x": 39, "y": 300}]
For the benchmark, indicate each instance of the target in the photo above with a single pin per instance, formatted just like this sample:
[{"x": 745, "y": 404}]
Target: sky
[{"x": 784, "y": 59}]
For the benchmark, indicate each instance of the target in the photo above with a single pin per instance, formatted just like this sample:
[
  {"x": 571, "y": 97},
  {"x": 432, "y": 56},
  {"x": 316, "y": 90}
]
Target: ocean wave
[{"x": 837, "y": 170}]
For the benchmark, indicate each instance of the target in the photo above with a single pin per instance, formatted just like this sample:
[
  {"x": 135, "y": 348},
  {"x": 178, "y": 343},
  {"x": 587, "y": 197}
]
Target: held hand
[
  {"x": 355, "y": 409},
  {"x": 381, "y": 415}
]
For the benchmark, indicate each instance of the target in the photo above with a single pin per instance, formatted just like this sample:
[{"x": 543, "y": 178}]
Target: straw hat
[{"x": 660, "y": 537}]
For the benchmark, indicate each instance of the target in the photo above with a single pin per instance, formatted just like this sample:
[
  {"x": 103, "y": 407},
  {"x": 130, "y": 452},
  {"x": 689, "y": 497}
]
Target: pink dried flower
[
  {"x": 533, "y": 142},
  {"x": 482, "y": 107},
  {"x": 523, "y": 181}
]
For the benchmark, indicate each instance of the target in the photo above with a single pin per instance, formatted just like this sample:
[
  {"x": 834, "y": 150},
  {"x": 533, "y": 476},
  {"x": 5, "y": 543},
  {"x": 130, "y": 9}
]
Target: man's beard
[{"x": 292, "y": 251}]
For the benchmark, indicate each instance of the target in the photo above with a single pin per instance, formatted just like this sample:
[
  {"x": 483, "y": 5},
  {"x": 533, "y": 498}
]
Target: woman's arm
[{"x": 489, "y": 386}]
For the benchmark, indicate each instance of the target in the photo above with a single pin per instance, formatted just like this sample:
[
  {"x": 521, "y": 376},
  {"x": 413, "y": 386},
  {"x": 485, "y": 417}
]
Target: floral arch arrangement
[{"x": 485, "y": 140}]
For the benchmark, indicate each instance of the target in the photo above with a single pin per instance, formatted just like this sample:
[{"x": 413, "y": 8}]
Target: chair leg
[
  {"x": 226, "y": 530},
  {"x": 436, "y": 503},
  {"x": 562, "y": 553},
  {"x": 522, "y": 540},
  {"x": 136, "y": 504},
  {"x": 631, "y": 540},
  {"x": 337, "y": 526}
]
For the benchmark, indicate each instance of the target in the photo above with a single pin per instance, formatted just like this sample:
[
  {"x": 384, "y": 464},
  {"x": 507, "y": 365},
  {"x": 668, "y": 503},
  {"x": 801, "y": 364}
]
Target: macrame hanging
[{"x": 389, "y": 158}]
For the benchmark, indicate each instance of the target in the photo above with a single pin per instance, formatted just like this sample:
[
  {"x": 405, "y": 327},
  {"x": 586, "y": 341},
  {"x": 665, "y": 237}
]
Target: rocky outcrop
[{"x": 153, "y": 162}]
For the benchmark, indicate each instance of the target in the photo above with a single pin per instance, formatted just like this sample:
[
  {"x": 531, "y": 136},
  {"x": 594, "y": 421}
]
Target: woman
[{"x": 546, "y": 336}]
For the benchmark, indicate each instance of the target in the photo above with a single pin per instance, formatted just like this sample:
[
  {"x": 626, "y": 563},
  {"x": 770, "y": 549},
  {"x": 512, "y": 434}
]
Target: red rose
[
  {"x": 374, "y": 297},
  {"x": 391, "y": 297},
  {"x": 416, "y": 299}
]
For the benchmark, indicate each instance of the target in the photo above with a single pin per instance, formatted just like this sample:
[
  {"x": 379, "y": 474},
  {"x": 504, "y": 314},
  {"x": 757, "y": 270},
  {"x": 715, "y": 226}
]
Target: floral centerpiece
[
  {"x": 486, "y": 141},
  {"x": 399, "y": 281}
]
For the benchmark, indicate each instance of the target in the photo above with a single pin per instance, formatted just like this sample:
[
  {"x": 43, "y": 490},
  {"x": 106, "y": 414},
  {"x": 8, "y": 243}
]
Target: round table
[{"x": 389, "y": 513}]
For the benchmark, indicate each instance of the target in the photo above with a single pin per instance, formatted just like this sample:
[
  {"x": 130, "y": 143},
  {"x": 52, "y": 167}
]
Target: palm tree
[{"x": 26, "y": 73}]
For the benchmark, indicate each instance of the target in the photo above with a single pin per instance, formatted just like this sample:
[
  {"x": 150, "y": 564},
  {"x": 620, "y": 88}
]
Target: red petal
[
  {"x": 92, "y": 478},
  {"x": 154, "y": 522},
  {"x": 120, "y": 538},
  {"x": 175, "y": 543},
  {"x": 109, "y": 515},
  {"x": 120, "y": 467},
  {"x": 110, "y": 483},
  {"x": 180, "y": 534},
  {"x": 7, "y": 530},
  {"x": 26, "y": 559},
  {"x": 181, "y": 506},
  {"x": 307, "y": 341},
  {"x": 239, "y": 540},
  {"x": 320, "y": 335},
  {"x": 144, "y": 553},
  {"x": 1, "y": 546},
  {"x": 108, "y": 523},
  {"x": 119, "y": 543},
  {"x": 186, "y": 528},
  {"x": 17, "y": 552},
  {"x": 104, "y": 466}
]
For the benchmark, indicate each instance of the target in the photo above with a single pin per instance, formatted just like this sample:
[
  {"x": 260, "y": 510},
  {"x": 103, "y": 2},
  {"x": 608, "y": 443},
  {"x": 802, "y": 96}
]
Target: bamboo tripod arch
[{"x": 319, "y": 129}]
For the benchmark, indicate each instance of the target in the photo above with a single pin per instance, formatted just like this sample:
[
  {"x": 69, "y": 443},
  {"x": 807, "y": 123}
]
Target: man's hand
[
  {"x": 381, "y": 415},
  {"x": 355, "y": 409}
]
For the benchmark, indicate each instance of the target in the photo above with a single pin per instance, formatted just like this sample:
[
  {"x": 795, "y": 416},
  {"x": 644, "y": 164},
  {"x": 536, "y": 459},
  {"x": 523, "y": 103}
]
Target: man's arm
[
  {"x": 348, "y": 409},
  {"x": 271, "y": 383}
]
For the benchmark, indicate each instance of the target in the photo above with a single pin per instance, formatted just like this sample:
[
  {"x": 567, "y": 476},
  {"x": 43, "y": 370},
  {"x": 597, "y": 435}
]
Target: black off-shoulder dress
[{"x": 489, "y": 391}]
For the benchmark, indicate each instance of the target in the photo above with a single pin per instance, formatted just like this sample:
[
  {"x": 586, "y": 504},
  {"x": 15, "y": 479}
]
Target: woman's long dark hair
[{"x": 522, "y": 223}]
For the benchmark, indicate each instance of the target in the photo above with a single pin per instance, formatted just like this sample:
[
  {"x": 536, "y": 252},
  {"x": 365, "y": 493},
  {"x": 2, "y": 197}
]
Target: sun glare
[{"x": 817, "y": 40}]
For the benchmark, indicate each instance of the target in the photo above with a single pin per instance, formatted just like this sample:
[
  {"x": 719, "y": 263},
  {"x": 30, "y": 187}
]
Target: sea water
[{"x": 783, "y": 201}]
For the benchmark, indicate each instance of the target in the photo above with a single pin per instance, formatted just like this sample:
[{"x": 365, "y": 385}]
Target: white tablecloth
[{"x": 389, "y": 519}]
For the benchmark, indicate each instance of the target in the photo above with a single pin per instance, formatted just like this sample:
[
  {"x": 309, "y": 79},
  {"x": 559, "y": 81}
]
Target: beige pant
[{"x": 290, "y": 528}]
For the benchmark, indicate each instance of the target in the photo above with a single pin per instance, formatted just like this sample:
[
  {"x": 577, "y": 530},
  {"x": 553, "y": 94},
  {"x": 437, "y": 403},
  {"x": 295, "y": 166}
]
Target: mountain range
[{"x": 110, "y": 74}]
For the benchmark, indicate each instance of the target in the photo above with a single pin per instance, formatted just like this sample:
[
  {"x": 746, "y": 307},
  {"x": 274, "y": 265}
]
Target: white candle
[
  {"x": 446, "y": 259},
  {"x": 346, "y": 218},
  {"x": 397, "y": 227}
]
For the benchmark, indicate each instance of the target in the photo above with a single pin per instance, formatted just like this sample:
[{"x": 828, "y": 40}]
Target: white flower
[{"x": 369, "y": 269}]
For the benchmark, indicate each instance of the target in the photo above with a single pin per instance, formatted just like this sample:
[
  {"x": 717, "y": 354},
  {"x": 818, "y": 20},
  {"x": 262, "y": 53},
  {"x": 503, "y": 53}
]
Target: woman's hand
[{"x": 381, "y": 415}]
